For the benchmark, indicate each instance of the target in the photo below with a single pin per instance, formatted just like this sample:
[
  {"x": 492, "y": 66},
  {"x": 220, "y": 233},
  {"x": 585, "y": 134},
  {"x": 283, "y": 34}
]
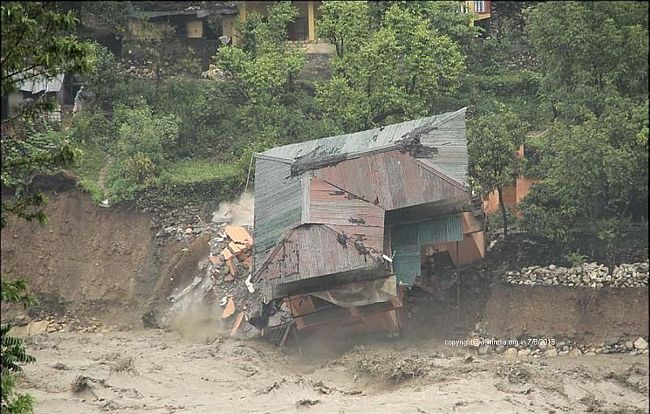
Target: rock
[
  {"x": 511, "y": 354},
  {"x": 524, "y": 353},
  {"x": 550, "y": 353},
  {"x": 484, "y": 350},
  {"x": 629, "y": 345},
  {"x": 612, "y": 341},
  {"x": 500, "y": 349},
  {"x": 575, "y": 352},
  {"x": 641, "y": 344}
]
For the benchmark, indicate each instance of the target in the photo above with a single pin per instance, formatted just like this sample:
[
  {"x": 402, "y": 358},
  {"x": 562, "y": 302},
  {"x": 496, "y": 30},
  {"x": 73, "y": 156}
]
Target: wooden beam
[{"x": 311, "y": 21}]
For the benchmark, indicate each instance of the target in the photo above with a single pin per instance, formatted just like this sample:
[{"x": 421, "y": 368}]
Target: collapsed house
[{"x": 344, "y": 225}]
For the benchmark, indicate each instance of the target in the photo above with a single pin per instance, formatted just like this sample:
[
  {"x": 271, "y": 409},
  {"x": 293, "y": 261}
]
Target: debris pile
[
  {"x": 592, "y": 275},
  {"x": 225, "y": 279},
  {"x": 181, "y": 223}
]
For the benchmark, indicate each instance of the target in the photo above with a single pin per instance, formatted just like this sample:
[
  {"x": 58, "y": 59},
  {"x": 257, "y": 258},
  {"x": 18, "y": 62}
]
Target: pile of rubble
[
  {"x": 225, "y": 278},
  {"x": 592, "y": 275},
  {"x": 181, "y": 224},
  {"x": 215, "y": 73},
  {"x": 23, "y": 326}
]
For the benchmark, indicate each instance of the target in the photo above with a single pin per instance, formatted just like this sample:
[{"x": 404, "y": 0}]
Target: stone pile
[
  {"x": 591, "y": 275},
  {"x": 181, "y": 224},
  {"x": 549, "y": 347},
  {"x": 23, "y": 326}
]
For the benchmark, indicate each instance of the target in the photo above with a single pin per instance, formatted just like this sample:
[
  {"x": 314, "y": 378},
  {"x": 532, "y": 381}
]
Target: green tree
[
  {"x": 493, "y": 142},
  {"x": 596, "y": 178},
  {"x": 37, "y": 41},
  {"x": 594, "y": 67},
  {"x": 590, "y": 52},
  {"x": 143, "y": 143},
  {"x": 446, "y": 17},
  {"x": 265, "y": 68},
  {"x": 390, "y": 74}
]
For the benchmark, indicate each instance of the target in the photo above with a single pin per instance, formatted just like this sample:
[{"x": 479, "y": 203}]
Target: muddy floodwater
[{"x": 154, "y": 371}]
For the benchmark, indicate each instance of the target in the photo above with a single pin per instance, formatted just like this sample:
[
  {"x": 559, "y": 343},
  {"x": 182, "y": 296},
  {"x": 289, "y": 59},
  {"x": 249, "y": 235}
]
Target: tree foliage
[
  {"x": 38, "y": 41},
  {"x": 13, "y": 353},
  {"x": 141, "y": 148},
  {"x": 593, "y": 62},
  {"x": 277, "y": 109},
  {"x": 590, "y": 52},
  {"x": 493, "y": 142},
  {"x": 388, "y": 74}
]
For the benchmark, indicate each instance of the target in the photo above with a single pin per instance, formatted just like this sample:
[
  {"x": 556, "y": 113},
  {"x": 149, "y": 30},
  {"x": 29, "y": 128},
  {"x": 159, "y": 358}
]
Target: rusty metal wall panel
[
  {"x": 330, "y": 205},
  {"x": 371, "y": 237},
  {"x": 311, "y": 251},
  {"x": 391, "y": 179}
]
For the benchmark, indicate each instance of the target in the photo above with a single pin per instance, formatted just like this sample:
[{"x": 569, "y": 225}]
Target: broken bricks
[
  {"x": 239, "y": 235},
  {"x": 229, "y": 309}
]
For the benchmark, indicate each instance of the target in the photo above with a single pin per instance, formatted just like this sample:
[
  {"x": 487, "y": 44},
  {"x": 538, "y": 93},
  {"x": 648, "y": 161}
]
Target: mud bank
[
  {"x": 586, "y": 313},
  {"x": 94, "y": 261}
]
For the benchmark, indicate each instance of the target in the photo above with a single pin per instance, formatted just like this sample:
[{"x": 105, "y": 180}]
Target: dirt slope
[{"x": 93, "y": 261}]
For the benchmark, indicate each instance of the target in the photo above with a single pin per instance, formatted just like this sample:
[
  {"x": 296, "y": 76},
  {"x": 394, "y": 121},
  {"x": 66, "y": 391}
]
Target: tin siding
[
  {"x": 330, "y": 205},
  {"x": 407, "y": 239},
  {"x": 450, "y": 138},
  {"x": 311, "y": 251},
  {"x": 363, "y": 141},
  {"x": 278, "y": 205},
  {"x": 390, "y": 179}
]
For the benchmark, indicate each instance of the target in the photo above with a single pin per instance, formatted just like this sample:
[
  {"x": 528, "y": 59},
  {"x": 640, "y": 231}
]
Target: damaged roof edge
[{"x": 359, "y": 143}]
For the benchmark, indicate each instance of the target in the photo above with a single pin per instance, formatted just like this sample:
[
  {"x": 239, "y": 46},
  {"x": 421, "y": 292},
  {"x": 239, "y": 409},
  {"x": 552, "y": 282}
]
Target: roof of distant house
[{"x": 41, "y": 83}]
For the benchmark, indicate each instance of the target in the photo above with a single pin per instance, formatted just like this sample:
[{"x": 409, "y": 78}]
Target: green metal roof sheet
[
  {"x": 407, "y": 239},
  {"x": 449, "y": 138}
]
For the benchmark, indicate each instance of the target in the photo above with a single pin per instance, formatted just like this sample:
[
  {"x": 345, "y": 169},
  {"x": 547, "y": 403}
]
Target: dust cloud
[{"x": 238, "y": 212}]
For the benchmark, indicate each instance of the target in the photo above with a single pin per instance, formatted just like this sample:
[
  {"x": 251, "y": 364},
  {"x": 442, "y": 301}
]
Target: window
[{"x": 479, "y": 6}]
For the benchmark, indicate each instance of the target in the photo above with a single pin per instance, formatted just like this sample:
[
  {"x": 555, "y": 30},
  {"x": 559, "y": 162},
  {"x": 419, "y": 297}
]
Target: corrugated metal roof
[
  {"x": 449, "y": 137},
  {"x": 282, "y": 200},
  {"x": 392, "y": 180},
  {"x": 278, "y": 204},
  {"x": 407, "y": 239}
]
